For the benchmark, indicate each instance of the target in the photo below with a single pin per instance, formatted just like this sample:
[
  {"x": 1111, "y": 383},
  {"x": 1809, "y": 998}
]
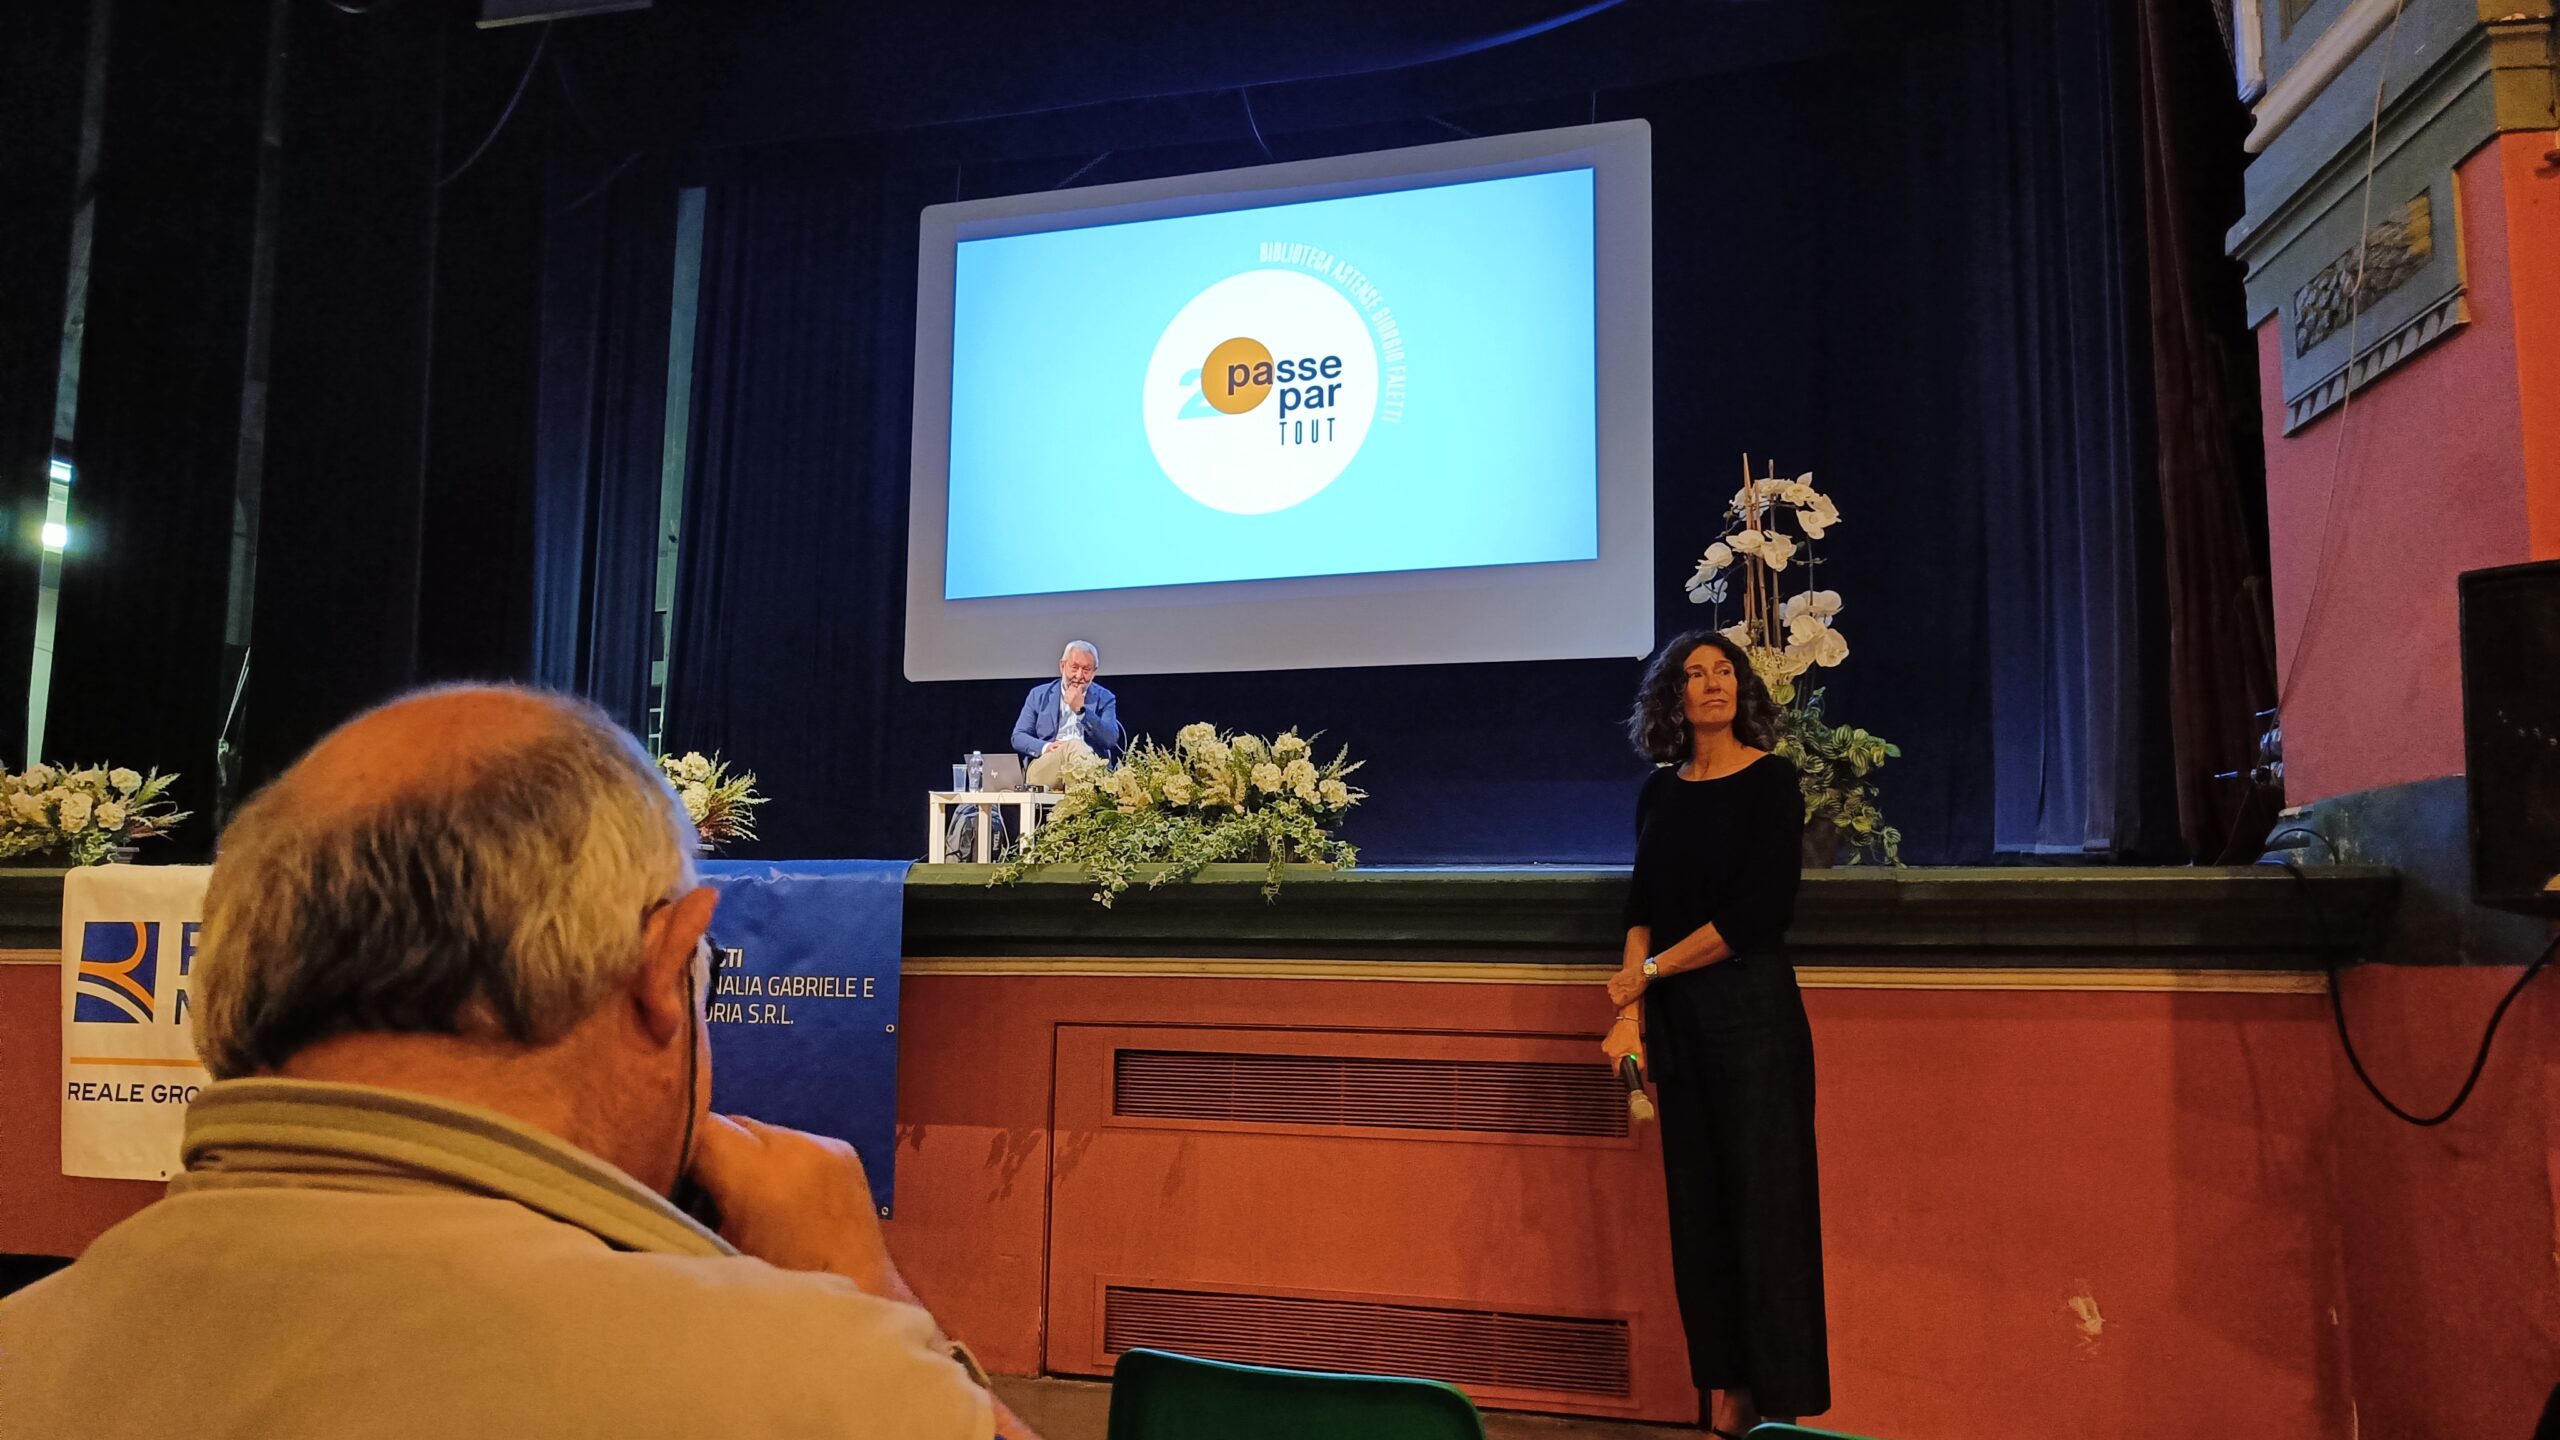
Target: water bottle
[{"x": 977, "y": 770}]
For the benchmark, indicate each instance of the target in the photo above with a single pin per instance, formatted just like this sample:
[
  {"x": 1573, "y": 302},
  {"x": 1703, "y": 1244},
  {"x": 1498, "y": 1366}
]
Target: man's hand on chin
[
  {"x": 795, "y": 1200},
  {"x": 802, "y": 1202}
]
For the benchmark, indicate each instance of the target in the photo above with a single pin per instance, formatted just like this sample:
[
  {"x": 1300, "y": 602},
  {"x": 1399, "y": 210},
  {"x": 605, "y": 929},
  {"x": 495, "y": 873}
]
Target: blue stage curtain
[
  {"x": 791, "y": 587},
  {"x": 1941, "y": 317},
  {"x": 791, "y": 597},
  {"x": 2063, "y": 416},
  {"x": 608, "y": 283}
]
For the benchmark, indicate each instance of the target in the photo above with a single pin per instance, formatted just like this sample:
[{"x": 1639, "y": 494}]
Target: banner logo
[
  {"x": 1261, "y": 391},
  {"x": 119, "y": 972}
]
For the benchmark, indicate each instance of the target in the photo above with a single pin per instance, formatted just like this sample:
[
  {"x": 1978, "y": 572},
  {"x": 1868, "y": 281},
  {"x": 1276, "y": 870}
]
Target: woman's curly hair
[{"x": 1659, "y": 726}]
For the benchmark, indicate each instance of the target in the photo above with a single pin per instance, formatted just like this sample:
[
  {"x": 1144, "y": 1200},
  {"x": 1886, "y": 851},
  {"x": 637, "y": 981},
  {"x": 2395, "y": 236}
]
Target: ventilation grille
[
  {"x": 1514, "y": 1097},
  {"x": 1472, "y": 1349}
]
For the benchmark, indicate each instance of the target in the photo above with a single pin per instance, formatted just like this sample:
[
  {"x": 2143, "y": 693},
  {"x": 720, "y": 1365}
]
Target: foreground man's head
[{"x": 484, "y": 893}]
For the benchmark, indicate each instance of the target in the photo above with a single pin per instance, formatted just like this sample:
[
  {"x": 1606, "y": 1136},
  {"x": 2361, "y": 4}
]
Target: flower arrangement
[
  {"x": 1207, "y": 798},
  {"x": 83, "y": 815},
  {"x": 1832, "y": 762},
  {"x": 720, "y": 802},
  {"x": 1788, "y": 635}
]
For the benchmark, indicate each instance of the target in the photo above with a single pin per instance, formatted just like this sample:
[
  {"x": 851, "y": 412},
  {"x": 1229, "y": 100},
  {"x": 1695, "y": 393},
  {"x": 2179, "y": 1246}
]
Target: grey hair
[
  {"x": 1084, "y": 645},
  {"x": 506, "y": 903}
]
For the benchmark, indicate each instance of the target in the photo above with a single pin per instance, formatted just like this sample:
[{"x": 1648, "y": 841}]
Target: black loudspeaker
[{"x": 2511, "y": 733}]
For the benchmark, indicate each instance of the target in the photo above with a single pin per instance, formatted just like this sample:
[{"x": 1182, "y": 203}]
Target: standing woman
[{"x": 1719, "y": 837}]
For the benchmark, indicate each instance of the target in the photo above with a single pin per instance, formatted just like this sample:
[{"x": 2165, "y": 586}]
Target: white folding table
[{"x": 937, "y": 817}]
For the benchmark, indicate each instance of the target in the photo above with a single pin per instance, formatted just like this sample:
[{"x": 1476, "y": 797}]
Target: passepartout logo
[
  {"x": 1261, "y": 391},
  {"x": 119, "y": 971}
]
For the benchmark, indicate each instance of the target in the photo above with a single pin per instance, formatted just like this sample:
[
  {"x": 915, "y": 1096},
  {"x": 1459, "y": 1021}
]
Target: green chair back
[
  {"x": 1156, "y": 1395},
  {"x": 1771, "y": 1430}
]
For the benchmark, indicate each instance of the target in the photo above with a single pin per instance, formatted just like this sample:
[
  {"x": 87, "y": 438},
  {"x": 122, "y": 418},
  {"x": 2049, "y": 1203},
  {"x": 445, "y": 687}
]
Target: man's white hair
[
  {"x": 504, "y": 902},
  {"x": 1087, "y": 647}
]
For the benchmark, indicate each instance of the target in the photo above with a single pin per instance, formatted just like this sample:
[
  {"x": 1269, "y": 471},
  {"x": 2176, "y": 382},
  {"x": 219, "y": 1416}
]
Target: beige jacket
[{"x": 349, "y": 1262}]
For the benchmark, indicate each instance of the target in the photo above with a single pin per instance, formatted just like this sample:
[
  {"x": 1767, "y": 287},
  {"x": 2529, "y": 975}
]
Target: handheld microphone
[
  {"x": 1631, "y": 1070},
  {"x": 1639, "y": 1104}
]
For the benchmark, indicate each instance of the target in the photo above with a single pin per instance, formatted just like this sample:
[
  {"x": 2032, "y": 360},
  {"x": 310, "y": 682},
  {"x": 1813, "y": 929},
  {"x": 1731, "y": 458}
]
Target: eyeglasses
[{"x": 706, "y": 965}]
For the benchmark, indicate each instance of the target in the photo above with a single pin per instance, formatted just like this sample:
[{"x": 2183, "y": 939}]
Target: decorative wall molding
[
  {"x": 2246, "y": 34},
  {"x": 2453, "y": 81},
  {"x": 2312, "y": 218},
  {"x": 2416, "y": 333},
  {"x": 2524, "y": 65},
  {"x": 2081, "y": 918},
  {"x": 2144, "y": 980},
  {"x": 31, "y": 914},
  {"x": 2515, "y": 36},
  {"x": 2392, "y": 254},
  {"x": 2304, "y": 80}
]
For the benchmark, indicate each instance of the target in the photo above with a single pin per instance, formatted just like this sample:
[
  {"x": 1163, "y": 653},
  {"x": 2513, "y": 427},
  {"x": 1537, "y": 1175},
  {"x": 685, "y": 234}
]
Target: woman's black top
[{"x": 1726, "y": 852}]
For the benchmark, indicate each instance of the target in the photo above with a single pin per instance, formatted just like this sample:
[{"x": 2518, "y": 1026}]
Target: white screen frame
[{"x": 1552, "y": 611}]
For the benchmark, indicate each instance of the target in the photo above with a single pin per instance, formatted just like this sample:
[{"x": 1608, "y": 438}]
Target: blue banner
[{"x": 804, "y": 1000}]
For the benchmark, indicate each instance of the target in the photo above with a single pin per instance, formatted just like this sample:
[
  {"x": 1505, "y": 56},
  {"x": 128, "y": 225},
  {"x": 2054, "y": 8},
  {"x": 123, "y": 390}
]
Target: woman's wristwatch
[{"x": 1652, "y": 966}]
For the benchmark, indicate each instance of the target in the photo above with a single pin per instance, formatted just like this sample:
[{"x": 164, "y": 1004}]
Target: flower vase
[{"x": 1821, "y": 844}]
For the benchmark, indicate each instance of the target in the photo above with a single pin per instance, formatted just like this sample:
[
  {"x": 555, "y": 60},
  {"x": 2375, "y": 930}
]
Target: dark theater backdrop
[
  {"x": 388, "y": 400},
  {"x": 1905, "y": 248}
]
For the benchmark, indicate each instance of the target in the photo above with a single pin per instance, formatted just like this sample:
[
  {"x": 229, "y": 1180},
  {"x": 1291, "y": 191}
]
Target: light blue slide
[{"x": 1386, "y": 382}]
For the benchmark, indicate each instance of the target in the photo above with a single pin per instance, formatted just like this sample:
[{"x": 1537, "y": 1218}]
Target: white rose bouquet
[
  {"x": 1207, "y": 798},
  {"x": 720, "y": 802},
  {"x": 82, "y": 815}
]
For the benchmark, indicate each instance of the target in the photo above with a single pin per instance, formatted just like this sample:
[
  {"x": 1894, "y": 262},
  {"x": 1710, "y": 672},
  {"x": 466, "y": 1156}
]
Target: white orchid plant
[
  {"x": 1785, "y": 635},
  {"x": 1771, "y": 526},
  {"x": 83, "y": 815},
  {"x": 720, "y": 802}
]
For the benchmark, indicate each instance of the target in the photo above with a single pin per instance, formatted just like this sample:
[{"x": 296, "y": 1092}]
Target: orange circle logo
[{"x": 1236, "y": 376}]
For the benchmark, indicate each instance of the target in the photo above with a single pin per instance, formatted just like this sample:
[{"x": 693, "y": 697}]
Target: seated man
[
  {"x": 452, "y": 994},
  {"x": 1068, "y": 716}
]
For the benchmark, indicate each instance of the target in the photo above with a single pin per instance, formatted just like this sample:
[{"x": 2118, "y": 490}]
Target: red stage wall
[
  {"x": 2452, "y": 1234},
  {"x": 2452, "y": 463},
  {"x": 43, "y": 1212},
  {"x": 2046, "y": 1212},
  {"x": 2531, "y": 184}
]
